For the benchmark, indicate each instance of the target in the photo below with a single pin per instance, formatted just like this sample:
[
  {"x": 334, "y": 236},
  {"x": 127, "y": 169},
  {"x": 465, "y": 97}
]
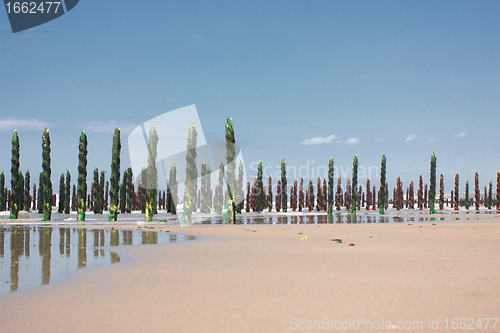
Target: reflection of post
[
  {"x": 114, "y": 257},
  {"x": 102, "y": 241},
  {"x": 68, "y": 242},
  {"x": 96, "y": 242},
  {"x": 173, "y": 238},
  {"x": 127, "y": 237},
  {"x": 62, "y": 233},
  {"x": 27, "y": 233},
  {"x": 149, "y": 237},
  {"x": 115, "y": 238},
  {"x": 45, "y": 253},
  {"x": 16, "y": 250},
  {"x": 82, "y": 248},
  {"x": 2, "y": 242}
]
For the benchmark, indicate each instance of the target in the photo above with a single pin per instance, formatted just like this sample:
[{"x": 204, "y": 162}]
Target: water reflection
[
  {"x": 82, "y": 247},
  {"x": 324, "y": 218},
  {"x": 23, "y": 267},
  {"x": 45, "y": 247},
  {"x": 2, "y": 243}
]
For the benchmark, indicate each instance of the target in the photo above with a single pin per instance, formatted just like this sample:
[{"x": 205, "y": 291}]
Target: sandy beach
[{"x": 265, "y": 278}]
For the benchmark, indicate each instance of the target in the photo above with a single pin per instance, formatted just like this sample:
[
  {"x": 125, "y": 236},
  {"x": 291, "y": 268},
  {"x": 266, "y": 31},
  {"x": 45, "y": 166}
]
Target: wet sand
[{"x": 257, "y": 278}]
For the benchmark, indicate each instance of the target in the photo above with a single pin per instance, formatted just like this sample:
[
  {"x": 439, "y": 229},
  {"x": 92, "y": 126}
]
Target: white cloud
[
  {"x": 430, "y": 141},
  {"x": 352, "y": 141},
  {"x": 411, "y": 138},
  {"x": 319, "y": 140},
  {"x": 19, "y": 124},
  {"x": 106, "y": 127},
  {"x": 460, "y": 135},
  {"x": 165, "y": 130},
  {"x": 11, "y": 124}
]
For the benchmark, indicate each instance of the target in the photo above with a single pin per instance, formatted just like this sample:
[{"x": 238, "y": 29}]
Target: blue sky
[{"x": 404, "y": 78}]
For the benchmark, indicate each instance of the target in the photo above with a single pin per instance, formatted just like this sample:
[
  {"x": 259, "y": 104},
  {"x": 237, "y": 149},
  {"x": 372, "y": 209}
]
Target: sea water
[{"x": 32, "y": 255}]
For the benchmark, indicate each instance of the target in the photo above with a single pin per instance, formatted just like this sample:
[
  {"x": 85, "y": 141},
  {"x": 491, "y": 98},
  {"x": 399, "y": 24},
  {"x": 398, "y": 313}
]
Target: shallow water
[
  {"x": 363, "y": 216},
  {"x": 90, "y": 218},
  {"x": 262, "y": 218},
  {"x": 38, "y": 255}
]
